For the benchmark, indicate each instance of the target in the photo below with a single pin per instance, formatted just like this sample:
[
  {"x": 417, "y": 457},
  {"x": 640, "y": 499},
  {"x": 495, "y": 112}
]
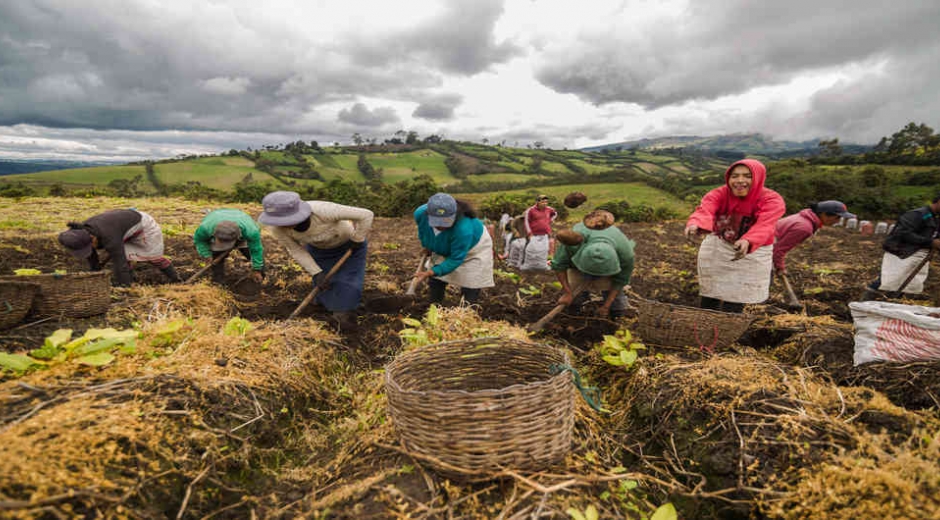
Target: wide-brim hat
[
  {"x": 283, "y": 208},
  {"x": 225, "y": 236},
  {"x": 77, "y": 241}
]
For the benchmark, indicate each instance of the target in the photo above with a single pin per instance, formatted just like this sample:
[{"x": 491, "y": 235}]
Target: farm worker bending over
[
  {"x": 595, "y": 255},
  {"x": 916, "y": 232},
  {"x": 795, "y": 229},
  {"x": 538, "y": 227},
  {"x": 227, "y": 229},
  {"x": 127, "y": 235},
  {"x": 462, "y": 250},
  {"x": 735, "y": 259},
  {"x": 317, "y": 233}
]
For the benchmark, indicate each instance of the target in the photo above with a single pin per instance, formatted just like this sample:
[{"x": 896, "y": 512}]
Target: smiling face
[{"x": 740, "y": 180}]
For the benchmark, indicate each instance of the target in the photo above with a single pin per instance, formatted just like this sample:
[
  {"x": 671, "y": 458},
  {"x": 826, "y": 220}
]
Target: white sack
[
  {"x": 536, "y": 254},
  {"x": 738, "y": 281},
  {"x": 894, "y": 270},
  {"x": 894, "y": 332}
]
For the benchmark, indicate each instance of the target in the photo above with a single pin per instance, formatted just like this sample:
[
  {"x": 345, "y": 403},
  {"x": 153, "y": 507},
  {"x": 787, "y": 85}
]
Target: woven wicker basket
[
  {"x": 16, "y": 298},
  {"x": 73, "y": 295},
  {"x": 673, "y": 325},
  {"x": 476, "y": 406}
]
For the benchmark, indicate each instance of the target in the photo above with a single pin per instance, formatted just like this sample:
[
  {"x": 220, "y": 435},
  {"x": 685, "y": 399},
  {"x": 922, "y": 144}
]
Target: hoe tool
[
  {"x": 215, "y": 261},
  {"x": 414, "y": 280},
  {"x": 537, "y": 326},
  {"x": 316, "y": 290},
  {"x": 792, "y": 300}
]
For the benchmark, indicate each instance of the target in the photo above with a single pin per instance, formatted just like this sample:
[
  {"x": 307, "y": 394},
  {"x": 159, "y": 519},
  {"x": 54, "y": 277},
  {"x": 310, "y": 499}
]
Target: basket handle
[
  {"x": 710, "y": 348},
  {"x": 591, "y": 394}
]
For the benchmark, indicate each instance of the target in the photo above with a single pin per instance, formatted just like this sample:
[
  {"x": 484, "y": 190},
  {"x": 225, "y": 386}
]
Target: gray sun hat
[
  {"x": 283, "y": 208},
  {"x": 77, "y": 241},
  {"x": 442, "y": 210},
  {"x": 225, "y": 236}
]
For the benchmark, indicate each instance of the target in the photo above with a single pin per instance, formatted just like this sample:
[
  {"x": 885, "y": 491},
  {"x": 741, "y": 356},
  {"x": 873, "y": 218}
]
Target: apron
[
  {"x": 345, "y": 290},
  {"x": 894, "y": 270},
  {"x": 476, "y": 271},
  {"x": 144, "y": 241},
  {"x": 741, "y": 281}
]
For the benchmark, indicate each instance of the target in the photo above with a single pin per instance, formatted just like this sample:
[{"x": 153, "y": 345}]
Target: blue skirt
[{"x": 345, "y": 291}]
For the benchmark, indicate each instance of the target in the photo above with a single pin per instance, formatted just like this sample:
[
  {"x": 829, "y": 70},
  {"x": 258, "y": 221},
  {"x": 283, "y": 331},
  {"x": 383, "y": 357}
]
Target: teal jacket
[
  {"x": 452, "y": 243},
  {"x": 251, "y": 233},
  {"x": 567, "y": 257}
]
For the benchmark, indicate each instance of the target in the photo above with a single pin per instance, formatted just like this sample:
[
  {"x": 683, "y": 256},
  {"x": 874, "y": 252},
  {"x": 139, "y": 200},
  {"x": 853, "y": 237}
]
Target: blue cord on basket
[{"x": 591, "y": 394}]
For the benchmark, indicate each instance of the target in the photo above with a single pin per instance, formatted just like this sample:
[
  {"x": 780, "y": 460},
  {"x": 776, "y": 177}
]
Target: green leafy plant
[
  {"x": 420, "y": 333},
  {"x": 391, "y": 246},
  {"x": 530, "y": 290},
  {"x": 620, "y": 350},
  {"x": 666, "y": 511},
  {"x": 19, "y": 364},
  {"x": 237, "y": 327},
  {"x": 513, "y": 277},
  {"x": 590, "y": 513},
  {"x": 26, "y": 272}
]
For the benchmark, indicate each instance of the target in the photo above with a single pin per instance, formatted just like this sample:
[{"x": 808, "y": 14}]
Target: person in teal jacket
[
  {"x": 226, "y": 229},
  {"x": 461, "y": 250},
  {"x": 595, "y": 255}
]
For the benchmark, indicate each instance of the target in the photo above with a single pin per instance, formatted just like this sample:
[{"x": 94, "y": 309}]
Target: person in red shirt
[
  {"x": 538, "y": 221},
  {"x": 795, "y": 229},
  {"x": 739, "y": 219}
]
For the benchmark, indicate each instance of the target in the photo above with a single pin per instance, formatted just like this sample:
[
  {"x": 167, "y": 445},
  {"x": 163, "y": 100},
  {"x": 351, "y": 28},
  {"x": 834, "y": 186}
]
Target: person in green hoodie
[
  {"x": 227, "y": 229},
  {"x": 595, "y": 255}
]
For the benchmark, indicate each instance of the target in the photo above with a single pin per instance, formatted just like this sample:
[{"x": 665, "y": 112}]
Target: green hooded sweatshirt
[
  {"x": 604, "y": 252},
  {"x": 251, "y": 233}
]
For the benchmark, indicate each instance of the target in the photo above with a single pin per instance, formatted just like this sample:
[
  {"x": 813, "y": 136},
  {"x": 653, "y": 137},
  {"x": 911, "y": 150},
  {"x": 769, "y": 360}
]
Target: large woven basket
[
  {"x": 674, "y": 325},
  {"x": 73, "y": 295},
  {"x": 474, "y": 407},
  {"x": 16, "y": 298}
]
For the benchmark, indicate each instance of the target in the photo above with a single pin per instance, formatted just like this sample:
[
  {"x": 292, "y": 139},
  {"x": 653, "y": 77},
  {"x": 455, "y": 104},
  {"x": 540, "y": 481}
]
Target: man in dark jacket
[
  {"x": 127, "y": 235},
  {"x": 916, "y": 232}
]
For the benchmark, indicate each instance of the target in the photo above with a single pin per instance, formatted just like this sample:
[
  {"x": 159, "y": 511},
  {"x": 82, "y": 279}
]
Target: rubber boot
[
  {"x": 170, "y": 273},
  {"x": 345, "y": 321}
]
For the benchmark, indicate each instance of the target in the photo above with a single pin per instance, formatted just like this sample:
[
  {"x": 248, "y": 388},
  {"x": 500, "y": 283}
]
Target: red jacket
[
  {"x": 732, "y": 218},
  {"x": 791, "y": 232},
  {"x": 539, "y": 221}
]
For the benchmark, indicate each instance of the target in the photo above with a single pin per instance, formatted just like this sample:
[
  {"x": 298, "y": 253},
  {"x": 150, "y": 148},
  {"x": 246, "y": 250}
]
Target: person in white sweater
[{"x": 317, "y": 234}]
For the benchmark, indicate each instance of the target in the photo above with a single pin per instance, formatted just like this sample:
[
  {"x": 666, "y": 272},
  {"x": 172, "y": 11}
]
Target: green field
[
  {"x": 96, "y": 176},
  {"x": 403, "y": 166},
  {"x": 215, "y": 172},
  {"x": 347, "y": 169},
  {"x": 633, "y": 192}
]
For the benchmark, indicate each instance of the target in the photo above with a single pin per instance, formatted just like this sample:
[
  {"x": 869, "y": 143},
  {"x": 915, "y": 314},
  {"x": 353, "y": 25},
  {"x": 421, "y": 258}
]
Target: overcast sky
[{"x": 124, "y": 79}]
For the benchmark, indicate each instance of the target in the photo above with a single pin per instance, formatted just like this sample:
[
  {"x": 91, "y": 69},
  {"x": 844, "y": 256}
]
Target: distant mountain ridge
[
  {"x": 752, "y": 144},
  {"x": 14, "y": 166}
]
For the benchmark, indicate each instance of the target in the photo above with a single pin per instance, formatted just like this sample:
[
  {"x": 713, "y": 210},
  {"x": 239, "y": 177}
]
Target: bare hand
[
  {"x": 691, "y": 232},
  {"x": 566, "y": 298},
  {"x": 257, "y": 276},
  {"x": 741, "y": 248},
  {"x": 603, "y": 311},
  {"x": 936, "y": 243},
  {"x": 424, "y": 274}
]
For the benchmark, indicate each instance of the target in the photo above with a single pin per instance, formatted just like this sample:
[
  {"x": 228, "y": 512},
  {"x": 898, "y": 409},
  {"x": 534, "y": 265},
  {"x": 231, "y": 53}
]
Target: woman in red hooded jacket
[{"x": 736, "y": 258}]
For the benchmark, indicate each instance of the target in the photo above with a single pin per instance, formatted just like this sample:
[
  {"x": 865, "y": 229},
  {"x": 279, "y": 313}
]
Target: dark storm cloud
[
  {"x": 360, "y": 115},
  {"x": 147, "y": 66},
  {"x": 460, "y": 40},
  {"x": 728, "y": 47},
  {"x": 439, "y": 108}
]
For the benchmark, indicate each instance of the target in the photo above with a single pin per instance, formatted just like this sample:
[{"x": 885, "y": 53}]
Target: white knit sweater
[{"x": 331, "y": 225}]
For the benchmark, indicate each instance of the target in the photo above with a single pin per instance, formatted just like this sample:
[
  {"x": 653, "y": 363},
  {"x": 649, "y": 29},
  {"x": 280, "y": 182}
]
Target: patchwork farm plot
[{"x": 223, "y": 408}]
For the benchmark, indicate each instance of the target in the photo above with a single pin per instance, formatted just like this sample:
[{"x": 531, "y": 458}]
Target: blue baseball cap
[
  {"x": 834, "y": 207},
  {"x": 442, "y": 210}
]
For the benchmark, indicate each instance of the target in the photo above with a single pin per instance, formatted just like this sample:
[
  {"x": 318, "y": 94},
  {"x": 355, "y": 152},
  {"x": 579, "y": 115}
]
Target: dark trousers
[
  {"x": 218, "y": 270},
  {"x": 437, "y": 288},
  {"x": 720, "y": 305}
]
